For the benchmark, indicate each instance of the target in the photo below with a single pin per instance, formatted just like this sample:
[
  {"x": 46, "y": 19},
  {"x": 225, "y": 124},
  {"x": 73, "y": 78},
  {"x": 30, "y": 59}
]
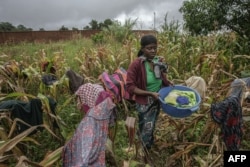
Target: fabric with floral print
[{"x": 86, "y": 148}]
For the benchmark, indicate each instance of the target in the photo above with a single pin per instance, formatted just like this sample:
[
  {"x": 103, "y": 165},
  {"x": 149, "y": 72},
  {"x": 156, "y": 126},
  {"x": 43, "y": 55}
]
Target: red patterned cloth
[{"x": 228, "y": 113}]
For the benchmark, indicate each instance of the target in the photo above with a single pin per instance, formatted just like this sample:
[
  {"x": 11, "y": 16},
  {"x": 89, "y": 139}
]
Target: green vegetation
[{"x": 205, "y": 16}]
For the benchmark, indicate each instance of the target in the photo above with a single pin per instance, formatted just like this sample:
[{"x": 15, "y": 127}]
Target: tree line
[{"x": 93, "y": 25}]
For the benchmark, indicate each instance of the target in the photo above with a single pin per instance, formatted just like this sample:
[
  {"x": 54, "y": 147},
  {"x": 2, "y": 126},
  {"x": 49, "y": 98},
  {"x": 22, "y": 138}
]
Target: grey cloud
[{"x": 52, "y": 14}]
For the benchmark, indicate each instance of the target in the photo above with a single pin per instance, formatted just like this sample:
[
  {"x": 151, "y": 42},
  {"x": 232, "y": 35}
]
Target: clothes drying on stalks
[{"x": 30, "y": 112}]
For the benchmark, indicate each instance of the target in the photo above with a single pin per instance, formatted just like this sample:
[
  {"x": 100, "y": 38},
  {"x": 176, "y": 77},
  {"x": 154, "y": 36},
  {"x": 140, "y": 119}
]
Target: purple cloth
[
  {"x": 182, "y": 100},
  {"x": 102, "y": 96}
]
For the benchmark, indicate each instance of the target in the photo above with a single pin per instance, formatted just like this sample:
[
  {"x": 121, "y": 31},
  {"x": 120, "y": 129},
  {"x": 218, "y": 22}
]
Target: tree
[
  {"x": 74, "y": 29},
  {"x": 94, "y": 25},
  {"x": 21, "y": 27},
  {"x": 204, "y": 16},
  {"x": 86, "y": 28},
  {"x": 236, "y": 14},
  {"x": 200, "y": 16},
  {"x": 107, "y": 23},
  {"x": 6, "y": 27},
  {"x": 63, "y": 28}
]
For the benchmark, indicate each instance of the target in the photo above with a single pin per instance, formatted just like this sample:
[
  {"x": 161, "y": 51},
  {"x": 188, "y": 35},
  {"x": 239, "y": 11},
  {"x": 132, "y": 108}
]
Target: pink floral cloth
[{"x": 87, "y": 146}]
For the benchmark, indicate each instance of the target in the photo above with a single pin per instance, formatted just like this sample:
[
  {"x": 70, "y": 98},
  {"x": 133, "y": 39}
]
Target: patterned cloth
[
  {"x": 87, "y": 146},
  {"x": 228, "y": 113},
  {"x": 148, "y": 115},
  {"x": 88, "y": 94}
]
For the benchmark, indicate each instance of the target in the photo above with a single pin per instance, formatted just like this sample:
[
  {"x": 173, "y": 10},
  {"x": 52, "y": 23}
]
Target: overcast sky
[{"x": 53, "y": 14}]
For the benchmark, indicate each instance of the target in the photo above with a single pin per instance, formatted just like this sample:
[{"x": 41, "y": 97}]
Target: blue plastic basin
[{"x": 177, "y": 111}]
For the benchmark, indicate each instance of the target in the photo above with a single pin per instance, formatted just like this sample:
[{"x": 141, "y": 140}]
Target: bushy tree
[
  {"x": 21, "y": 27},
  {"x": 63, "y": 28},
  {"x": 201, "y": 16},
  {"x": 94, "y": 25},
  {"x": 6, "y": 27},
  {"x": 107, "y": 23},
  {"x": 74, "y": 29},
  {"x": 204, "y": 16},
  {"x": 236, "y": 15}
]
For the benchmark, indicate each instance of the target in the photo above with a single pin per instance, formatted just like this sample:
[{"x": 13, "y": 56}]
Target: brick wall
[{"x": 46, "y": 36}]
